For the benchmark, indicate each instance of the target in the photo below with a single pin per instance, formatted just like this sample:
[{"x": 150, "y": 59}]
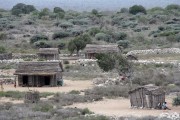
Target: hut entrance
[
  {"x": 25, "y": 80},
  {"x": 47, "y": 80}
]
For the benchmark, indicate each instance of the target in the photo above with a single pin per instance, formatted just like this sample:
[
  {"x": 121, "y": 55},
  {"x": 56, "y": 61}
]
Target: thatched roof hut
[
  {"x": 48, "y": 53},
  {"x": 39, "y": 73},
  {"x": 147, "y": 96},
  {"x": 92, "y": 49}
]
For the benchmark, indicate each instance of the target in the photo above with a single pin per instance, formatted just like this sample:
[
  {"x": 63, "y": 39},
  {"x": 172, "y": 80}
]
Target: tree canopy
[
  {"x": 21, "y": 8},
  {"x": 79, "y": 43},
  {"x": 108, "y": 62},
  {"x": 137, "y": 9}
]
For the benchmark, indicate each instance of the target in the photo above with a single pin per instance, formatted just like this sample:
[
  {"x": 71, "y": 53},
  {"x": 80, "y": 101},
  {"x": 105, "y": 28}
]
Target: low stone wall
[
  {"x": 155, "y": 51},
  {"x": 6, "y": 56},
  {"x": 24, "y": 56}
]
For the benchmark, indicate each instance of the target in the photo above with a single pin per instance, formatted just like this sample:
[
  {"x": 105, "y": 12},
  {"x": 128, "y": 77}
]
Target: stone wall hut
[
  {"x": 37, "y": 74},
  {"x": 147, "y": 97},
  {"x": 48, "y": 53},
  {"x": 91, "y": 50}
]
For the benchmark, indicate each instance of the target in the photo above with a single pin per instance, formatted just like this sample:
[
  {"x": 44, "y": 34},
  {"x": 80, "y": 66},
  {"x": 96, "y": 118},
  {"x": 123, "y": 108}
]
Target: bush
[
  {"x": 109, "y": 91},
  {"x": 74, "y": 92},
  {"x": 66, "y": 25},
  {"x": 42, "y": 44},
  {"x": 2, "y": 49},
  {"x": 3, "y": 36},
  {"x": 120, "y": 36},
  {"x": 173, "y": 7},
  {"x": 123, "y": 43},
  {"x": 38, "y": 37},
  {"x": 137, "y": 9},
  {"x": 103, "y": 37},
  {"x": 86, "y": 111},
  {"x": 61, "y": 46},
  {"x": 12, "y": 94},
  {"x": 21, "y": 8},
  {"x": 43, "y": 107},
  {"x": 66, "y": 62},
  {"x": 94, "y": 31},
  {"x": 176, "y": 101},
  {"x": 60, "y": 34},
  {"x": 124, "y": 10}
]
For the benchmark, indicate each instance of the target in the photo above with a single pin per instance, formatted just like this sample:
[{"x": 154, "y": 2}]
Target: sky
[{"x": 87, "y": 5}]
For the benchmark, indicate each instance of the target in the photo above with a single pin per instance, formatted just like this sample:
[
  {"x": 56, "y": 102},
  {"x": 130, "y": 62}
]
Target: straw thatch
[
  {"x": 48, "y": 53},
  {"x": 147, "y": 96},
  {"x": 91, "y": 49},
  {"x": 38, "y": 68},
  {"x": 39, "y": 73}
]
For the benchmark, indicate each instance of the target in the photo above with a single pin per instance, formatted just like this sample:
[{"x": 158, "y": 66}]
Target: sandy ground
[
  {"x": 69, "y": 85},
  {"x": 121, "y": 107}
]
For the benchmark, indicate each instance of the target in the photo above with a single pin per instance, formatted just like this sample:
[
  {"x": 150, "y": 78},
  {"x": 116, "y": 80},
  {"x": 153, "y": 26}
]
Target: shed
[
  {"x": 91, "y": 50},
  {"x": 37, "y": 74},
  {"x": 48, "y": 53},
  {"x": 147, "y": 96}
]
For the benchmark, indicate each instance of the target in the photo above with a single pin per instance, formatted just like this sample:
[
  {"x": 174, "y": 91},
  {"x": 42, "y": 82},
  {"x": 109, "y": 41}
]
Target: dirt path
[
  {"x": 121, "y": 107},
  {"x": 68, "y": 86}
]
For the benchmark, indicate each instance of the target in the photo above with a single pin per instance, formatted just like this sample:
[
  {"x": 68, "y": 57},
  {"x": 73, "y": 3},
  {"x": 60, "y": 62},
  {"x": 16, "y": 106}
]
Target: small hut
[
  {"x": 91, "y": 50},
  {"x": 48, "y": 53},
  {"x": 147, "y": 96},
  {"x": 37, "y": 74}
]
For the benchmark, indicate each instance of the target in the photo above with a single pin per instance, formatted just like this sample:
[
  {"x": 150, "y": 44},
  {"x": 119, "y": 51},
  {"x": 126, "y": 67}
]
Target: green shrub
[
  {"x": 124, "y": 10},
  {"x": 38, "y": 37},
  {"x": 42, "y": 44},
  {"x": 66, "y": 62},
  {"x": 66, "y": 25},
  {"x": 60, "y": 34},
  {"x": 123, "y": 43},
  {"x": 74, "y": 92},
  {"x": 3, "y": 36},
  {"x": 109, "y": 91},
  {"x": 43, "y": 107},
  {"x": 176, "y": 101},
  {"x": 94, "y": 31},
  {"x": 21, "y": 8},
  {"x": 173, "y": 7},
  {"x": 137, "y": 9},
  {"x": 120, "y": 36},
  {"x": 12, "y": 94},
  {"x": 86, "y": 111},
  {"x": 103, "y": 37},
  {"x": 2, "y": 49},
  {"x": 61, "y": 46}
]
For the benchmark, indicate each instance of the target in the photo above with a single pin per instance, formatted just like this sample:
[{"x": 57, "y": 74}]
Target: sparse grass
[{"x": 20, "y": 95}]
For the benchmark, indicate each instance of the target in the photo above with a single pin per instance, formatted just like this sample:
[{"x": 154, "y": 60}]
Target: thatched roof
[
  {"x": 38, "y": 68},
  {"x": 48, "y": 51},
  {"x": 90, "y": 48},
  {"x": 153, "y": 89}
]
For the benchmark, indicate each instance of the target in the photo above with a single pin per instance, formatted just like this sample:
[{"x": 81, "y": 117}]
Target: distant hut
[
  {"x": 147, "y": 96},
  {"x": 37, "y": 74},
  {"x": 5, "y": 56},
  {"x": 48, "y": 53},
  {"x": 91, "y": 50}
]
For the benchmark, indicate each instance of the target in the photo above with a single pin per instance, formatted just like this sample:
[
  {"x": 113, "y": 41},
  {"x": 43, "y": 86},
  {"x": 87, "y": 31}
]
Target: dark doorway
[
  {"x": 25, "y": 80},
  {"x": 47, "y": 80}
]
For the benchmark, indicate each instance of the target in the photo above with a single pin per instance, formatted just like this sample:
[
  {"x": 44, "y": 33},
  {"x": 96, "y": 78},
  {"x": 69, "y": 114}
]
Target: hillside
[{"x": 84, "y": 5}]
